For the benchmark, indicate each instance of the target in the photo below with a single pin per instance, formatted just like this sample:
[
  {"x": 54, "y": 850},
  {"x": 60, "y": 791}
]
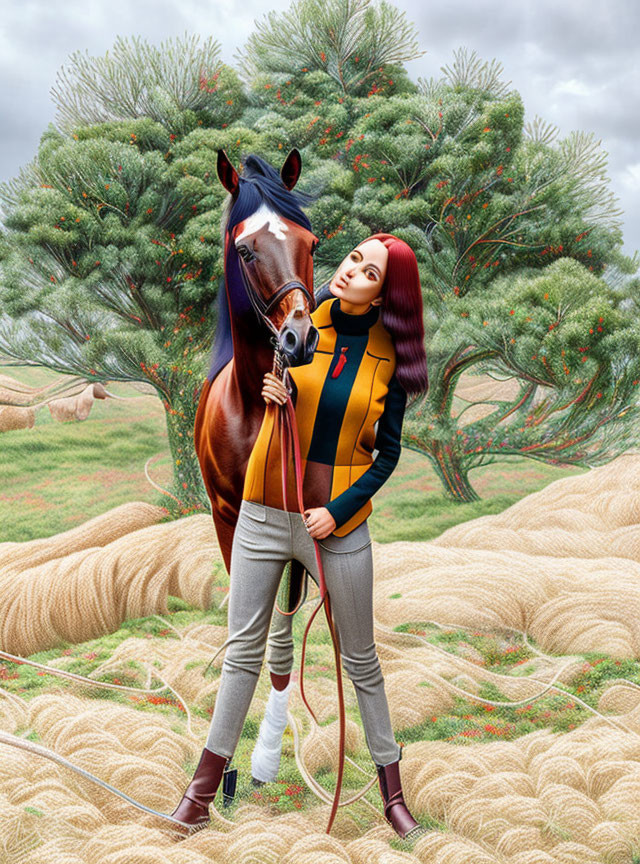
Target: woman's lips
[{"x": 341, "y": 283}]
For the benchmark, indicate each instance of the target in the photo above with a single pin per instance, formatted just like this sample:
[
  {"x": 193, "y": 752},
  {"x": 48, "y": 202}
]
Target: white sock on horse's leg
[{"x": 265, "y": 759}]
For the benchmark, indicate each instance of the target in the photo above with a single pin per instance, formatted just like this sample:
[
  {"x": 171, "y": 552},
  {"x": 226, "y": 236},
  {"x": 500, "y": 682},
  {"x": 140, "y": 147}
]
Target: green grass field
[{"x": 57, "y": 475}]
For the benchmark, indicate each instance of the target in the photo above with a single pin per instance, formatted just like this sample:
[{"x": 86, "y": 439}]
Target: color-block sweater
[{"x": 348, "y": 403}]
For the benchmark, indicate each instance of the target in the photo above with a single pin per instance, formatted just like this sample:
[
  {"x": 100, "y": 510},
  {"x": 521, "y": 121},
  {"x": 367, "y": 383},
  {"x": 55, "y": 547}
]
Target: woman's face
[{"x": 359, "y": 279}]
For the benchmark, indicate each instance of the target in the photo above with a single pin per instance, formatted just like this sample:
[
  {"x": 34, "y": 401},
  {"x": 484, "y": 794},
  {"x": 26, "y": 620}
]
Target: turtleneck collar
[{"x": 345, "y": 322}]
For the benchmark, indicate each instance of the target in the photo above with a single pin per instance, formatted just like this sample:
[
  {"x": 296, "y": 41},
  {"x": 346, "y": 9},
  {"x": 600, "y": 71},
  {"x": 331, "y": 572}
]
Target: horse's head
[{"x": 274, "y": 244}]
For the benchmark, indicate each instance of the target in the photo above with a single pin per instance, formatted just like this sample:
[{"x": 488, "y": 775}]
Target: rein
[
  {"x": 289, "y": 439},
  {"x": 289, "y": 436}
]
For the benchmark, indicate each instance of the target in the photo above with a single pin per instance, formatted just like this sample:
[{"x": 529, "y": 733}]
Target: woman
[{"x": 348, "y": 401}]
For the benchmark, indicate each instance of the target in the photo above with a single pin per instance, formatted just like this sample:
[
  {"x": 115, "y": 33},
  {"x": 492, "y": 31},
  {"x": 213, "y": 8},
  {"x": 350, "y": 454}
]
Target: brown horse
[{"x": 268, "y": 299}]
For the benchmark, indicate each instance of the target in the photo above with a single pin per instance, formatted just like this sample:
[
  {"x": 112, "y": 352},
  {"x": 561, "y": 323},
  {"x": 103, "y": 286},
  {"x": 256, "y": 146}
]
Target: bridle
[{"x": 264, "y": 307}]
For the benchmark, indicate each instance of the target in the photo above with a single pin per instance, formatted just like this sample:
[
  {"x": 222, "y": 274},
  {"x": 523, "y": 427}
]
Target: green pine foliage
[
  {"x": 351, "y": 41},
  {"x": 575, "y": 358},
  {"x": 111, "y": 255},
  {"x": 180, "y": 84},
  {"x": 115, "y": 254}
]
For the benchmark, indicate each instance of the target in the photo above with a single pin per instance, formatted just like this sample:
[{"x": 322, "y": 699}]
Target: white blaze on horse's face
[{"x": 264, "y": 216}]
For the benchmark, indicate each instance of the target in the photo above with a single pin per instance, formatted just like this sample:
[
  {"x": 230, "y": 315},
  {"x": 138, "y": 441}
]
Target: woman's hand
[
  {"x": 273, "y": 390},
  {"x": 319, "y": 522}
]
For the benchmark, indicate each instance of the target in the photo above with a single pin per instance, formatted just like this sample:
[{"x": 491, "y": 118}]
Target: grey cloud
[{"x": 574, "y": 62}]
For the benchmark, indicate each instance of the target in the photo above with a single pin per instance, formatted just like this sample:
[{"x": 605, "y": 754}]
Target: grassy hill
[{"x": 58, "y": 475}]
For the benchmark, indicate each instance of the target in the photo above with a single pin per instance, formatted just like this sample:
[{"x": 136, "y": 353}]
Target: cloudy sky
[{"x": 574, "y": 62}]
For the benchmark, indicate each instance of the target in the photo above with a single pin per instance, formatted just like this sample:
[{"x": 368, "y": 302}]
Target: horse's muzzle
[{"x": 297, "y": 342}]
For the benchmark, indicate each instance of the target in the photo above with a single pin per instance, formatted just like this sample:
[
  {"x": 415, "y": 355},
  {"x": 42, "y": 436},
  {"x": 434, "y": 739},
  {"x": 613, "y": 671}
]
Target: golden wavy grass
[
  {"x": 562, "y": 565},
  {"x": 320, "y": 747}
]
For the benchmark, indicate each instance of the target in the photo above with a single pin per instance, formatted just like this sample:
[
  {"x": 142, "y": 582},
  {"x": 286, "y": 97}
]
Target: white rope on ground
[
  {"x": 39, "y": 750},
  {"x": 439, "y": 679},
  {"x": 152, "y": 482},
  {"x": 550, "y": 657},
  {"x": 107, "y": 685},
  {"x": 547, "y": 686},
  {"x": 312, "y": 783},
  {"x": 73, "y": 676},
  {"x": 183, "y": 637},
  {"x": 309, "y": 779},
  {"x": 21, "y": 703},
  {"x": 16, "y": 741},
  {"x": 176, "y": 631}
]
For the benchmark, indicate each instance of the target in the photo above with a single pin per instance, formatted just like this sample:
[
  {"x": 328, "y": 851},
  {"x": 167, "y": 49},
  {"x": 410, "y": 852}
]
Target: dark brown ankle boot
[
  {"x": 395, "y": 809},
  {"x": 194, "y": 806}
]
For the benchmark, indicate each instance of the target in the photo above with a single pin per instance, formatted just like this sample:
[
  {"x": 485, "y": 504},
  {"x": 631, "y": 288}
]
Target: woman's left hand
[{"x": 319, "y": 522}]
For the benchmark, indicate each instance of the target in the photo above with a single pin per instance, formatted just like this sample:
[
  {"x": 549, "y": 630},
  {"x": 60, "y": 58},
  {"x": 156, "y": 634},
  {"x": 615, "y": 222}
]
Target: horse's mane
[{"x": 258, "y": 184}]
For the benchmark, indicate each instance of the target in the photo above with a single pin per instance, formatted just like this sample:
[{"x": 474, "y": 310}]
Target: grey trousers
[{"x": 265, "y": 539}]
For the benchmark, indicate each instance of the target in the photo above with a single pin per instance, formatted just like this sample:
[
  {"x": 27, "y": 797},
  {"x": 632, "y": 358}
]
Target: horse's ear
[
  {"x": 227, "y": 173},
  {"x": 291, "y": 168}
]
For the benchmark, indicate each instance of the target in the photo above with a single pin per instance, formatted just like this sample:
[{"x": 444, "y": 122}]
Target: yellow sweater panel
[{"x": 356, "y": 441}]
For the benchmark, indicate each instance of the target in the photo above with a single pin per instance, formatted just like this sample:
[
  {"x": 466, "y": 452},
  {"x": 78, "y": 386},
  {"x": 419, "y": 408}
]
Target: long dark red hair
[{"x": 401, "y": 313}]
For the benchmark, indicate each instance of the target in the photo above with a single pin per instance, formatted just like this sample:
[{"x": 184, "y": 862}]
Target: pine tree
[
  {"x": 351, "y": 41},
  {"x": 488, "y": 204},
  {"x": 574, "y": 356},
  {"x": 485, "y": 205},
  {"x": 115, "y": 253}
]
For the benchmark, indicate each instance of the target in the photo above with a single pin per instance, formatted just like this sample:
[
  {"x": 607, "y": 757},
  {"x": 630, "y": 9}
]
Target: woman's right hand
[{"x": 273, "y": 390}]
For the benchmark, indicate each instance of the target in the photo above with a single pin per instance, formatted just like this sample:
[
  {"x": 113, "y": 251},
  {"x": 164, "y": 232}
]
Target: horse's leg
[
  {"x": 265, "y": 758},
  {"x": 212, "y": 453},
  {"x": 225, "y": 529}
]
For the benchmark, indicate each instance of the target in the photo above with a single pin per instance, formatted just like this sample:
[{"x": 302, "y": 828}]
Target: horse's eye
[
  {"x": 314, "y": 247},
  {"x": 245, "y": 253}
]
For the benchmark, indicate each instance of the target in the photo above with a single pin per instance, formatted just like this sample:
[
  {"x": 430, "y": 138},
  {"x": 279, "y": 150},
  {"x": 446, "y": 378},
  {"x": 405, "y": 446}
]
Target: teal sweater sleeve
[{"x": 388, "y": 445}]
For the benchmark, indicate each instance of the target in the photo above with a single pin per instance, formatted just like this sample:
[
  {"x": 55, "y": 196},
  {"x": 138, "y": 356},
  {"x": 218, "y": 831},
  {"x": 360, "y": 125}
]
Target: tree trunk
[
  {"x": 452, "y": 473},
  {"x": 188, "y": 486}
]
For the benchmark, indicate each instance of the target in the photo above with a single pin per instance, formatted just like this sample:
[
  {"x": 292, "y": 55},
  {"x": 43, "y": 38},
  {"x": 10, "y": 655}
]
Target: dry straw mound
[
  {"x": 320, "y": 747},
  {"x": 78, "y": 407},
  {"x": 542, "y": 798},
  {"x": 562, "y": 564},
  {"x": 85, "y": 582},
  {"x": 14, "y": 417},
  {"x": 14, "y": 392},
  {"x": 19, "y": 402}
]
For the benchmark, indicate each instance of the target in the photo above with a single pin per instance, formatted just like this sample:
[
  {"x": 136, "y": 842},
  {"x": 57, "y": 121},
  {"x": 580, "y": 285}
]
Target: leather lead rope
[
  {"x": 287, "y": 419},
  {"x": 278, "y": 370},
  {"x": 289, "y": 437}
]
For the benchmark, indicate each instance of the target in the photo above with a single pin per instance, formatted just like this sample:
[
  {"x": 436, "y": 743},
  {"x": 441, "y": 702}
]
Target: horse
[
  {"x": 268, "y": 298},
  {"x": 266, "y": 303}
]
